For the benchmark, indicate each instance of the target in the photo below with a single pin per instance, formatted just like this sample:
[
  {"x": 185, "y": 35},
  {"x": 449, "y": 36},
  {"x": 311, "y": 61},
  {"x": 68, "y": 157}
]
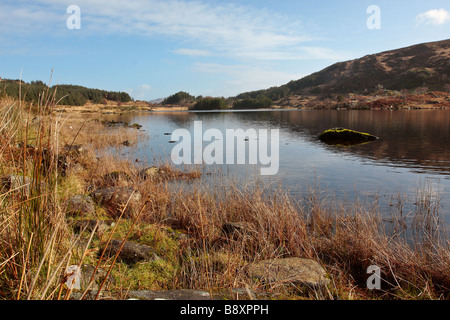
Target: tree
[
  {"x": 260, "y": 102},
  {"x": 179, "y": 98},
  {"x": 210, "y": 104}
]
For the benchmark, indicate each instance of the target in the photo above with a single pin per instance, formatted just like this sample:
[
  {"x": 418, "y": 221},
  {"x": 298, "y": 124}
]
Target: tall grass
[
  {"x": 345, "y": 239},
  {"x": 35, "y": 240}
]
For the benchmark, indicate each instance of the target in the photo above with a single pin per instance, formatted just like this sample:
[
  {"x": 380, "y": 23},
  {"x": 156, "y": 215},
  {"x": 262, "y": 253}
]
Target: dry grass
[{"x": 347, "y": 243}]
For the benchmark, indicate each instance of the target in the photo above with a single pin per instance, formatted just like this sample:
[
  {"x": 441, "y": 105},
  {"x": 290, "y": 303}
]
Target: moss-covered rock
[
  {"x": 115, "y": 199},
  {"x": 345, "y": 137},
  {"x": 289, "y": 271},
  {"x": 80, "y": 205},
  {"x": 116, "y": 178},
  {"x": 130, "y": 252}
]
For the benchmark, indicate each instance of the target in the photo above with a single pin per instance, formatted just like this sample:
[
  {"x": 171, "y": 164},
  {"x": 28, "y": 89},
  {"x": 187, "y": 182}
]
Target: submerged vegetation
[{"x": 54, "y": 166}]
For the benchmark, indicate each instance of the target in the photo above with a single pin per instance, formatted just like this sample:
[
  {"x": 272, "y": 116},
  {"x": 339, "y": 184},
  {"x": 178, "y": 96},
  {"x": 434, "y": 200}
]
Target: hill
[{"x": 422, "y": 65}]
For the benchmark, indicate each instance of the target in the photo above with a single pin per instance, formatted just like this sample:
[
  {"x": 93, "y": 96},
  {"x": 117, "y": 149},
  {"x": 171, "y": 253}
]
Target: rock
[
  {"x": 74, "y": 149},
  {"x": 84, "y": 277},
  {"x": 170, "y": 295},
  {"x": 149, "y": 172},
  {"x": 113, "y": 123},
  {"x": 136, "y": 126},
  {"x": 116, "y": 198},
  {"x": 296, "y": 271},
  {"x": 80, "y": 204},
  {"x": 116, "y": 177},
  {"x": 89, "y": 225},
  {"x": 345, "y": 137},
  {"x": 13, "y": 182},
  {"x": 50, "y": 161},
  {"x": 86, "y": 273},
  {"x": 131, "y": 252},
  {"x": 236, "y": 228},
  {"x": 191, "y": 294},
  {"x": 173, "y": 223}
]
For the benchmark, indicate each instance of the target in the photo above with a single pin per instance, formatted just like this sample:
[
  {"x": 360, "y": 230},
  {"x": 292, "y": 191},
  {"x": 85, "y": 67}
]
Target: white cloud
[
  {"x": 435, "y": 17},
  {"x": 192, "y": 52},
  {"x": 243, "y": 78},
  {"x": 141, "y": 92},
  {"x": 225, "y": 29},
  {"x": 32, "y": 17}
]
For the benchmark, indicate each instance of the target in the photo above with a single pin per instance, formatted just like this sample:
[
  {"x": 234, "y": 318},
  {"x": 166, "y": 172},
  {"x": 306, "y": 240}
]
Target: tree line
[
  {"x": 64, "y": 94},
  {"x": 219, "y": 103}
]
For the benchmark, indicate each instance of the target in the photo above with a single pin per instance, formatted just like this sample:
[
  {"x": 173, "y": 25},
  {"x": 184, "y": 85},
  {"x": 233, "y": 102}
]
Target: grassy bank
[{"x": 60, "y": 156}]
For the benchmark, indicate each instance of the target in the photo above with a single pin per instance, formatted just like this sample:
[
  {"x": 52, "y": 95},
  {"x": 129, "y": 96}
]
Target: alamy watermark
[
  {"x": 374, "y": 281},
  {"x": 235, "y": 142},
  {"x": 73, "y": 22},
  {"x": 374, "y": 20}
]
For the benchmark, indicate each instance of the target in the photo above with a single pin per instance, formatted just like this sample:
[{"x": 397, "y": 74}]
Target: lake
[{"x": 412, "y": 153}]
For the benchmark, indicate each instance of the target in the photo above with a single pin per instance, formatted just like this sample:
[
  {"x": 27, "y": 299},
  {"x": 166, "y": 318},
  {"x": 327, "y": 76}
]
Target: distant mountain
[
  {"x": 422, "y": 65},
  {"x": 157, "y": 101}
]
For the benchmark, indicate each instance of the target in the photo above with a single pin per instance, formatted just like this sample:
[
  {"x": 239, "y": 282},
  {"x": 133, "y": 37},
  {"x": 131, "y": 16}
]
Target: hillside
[{"x": 422, "y": 65}]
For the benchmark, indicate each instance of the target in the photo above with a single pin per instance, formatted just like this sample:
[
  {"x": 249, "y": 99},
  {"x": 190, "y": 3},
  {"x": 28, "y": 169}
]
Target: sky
[{"x": 152, "y": 49}]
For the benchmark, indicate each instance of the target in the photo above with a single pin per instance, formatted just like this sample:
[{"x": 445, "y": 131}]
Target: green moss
[
  {"x": 164, "y": 244},
  {"x": 152, "y": 275},
  {"x": 343, "y": 131},
  {"x": 70, "y": 186}
]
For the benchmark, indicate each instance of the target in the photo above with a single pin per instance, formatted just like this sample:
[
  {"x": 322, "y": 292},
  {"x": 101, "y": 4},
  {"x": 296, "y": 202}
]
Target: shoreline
[
  {"x": 387, "y": 101},
  {"x": 121, "y": 110}
]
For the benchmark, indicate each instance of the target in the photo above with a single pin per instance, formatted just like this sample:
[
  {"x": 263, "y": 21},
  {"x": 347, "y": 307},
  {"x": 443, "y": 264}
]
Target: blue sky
[{"x": 153, "y": 48}]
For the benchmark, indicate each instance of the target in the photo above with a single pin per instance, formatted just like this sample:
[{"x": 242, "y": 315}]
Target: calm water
[{"x": 413, "y": 151}]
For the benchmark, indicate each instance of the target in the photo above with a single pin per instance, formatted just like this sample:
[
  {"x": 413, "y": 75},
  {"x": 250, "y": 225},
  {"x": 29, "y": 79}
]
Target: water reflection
[
  {"x": 412, "y": 149},
  {"x": 414, "y": 139}
]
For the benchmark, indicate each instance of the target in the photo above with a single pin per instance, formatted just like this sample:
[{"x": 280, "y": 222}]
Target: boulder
[
  {"x": 297, "y": 271},
  {"x": 345, "y": 137},
  {"x": 192, "y": 294},
  {"x": 49, "y": 161},
  {"x": 80, "y": 204},
  {"x": 131, "y": 252},
  {"x": 13, "y": 182},
  {"x": 117, "y": 177},
  {"x": 236, "y": 228},
  {"x": 150, "y": 172},
  {"x": 116, "y": 198},
  {"x": 186, "y": 294},
  {"x": 89, "y": 225},
  {"x": 79, "y": 278}
]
